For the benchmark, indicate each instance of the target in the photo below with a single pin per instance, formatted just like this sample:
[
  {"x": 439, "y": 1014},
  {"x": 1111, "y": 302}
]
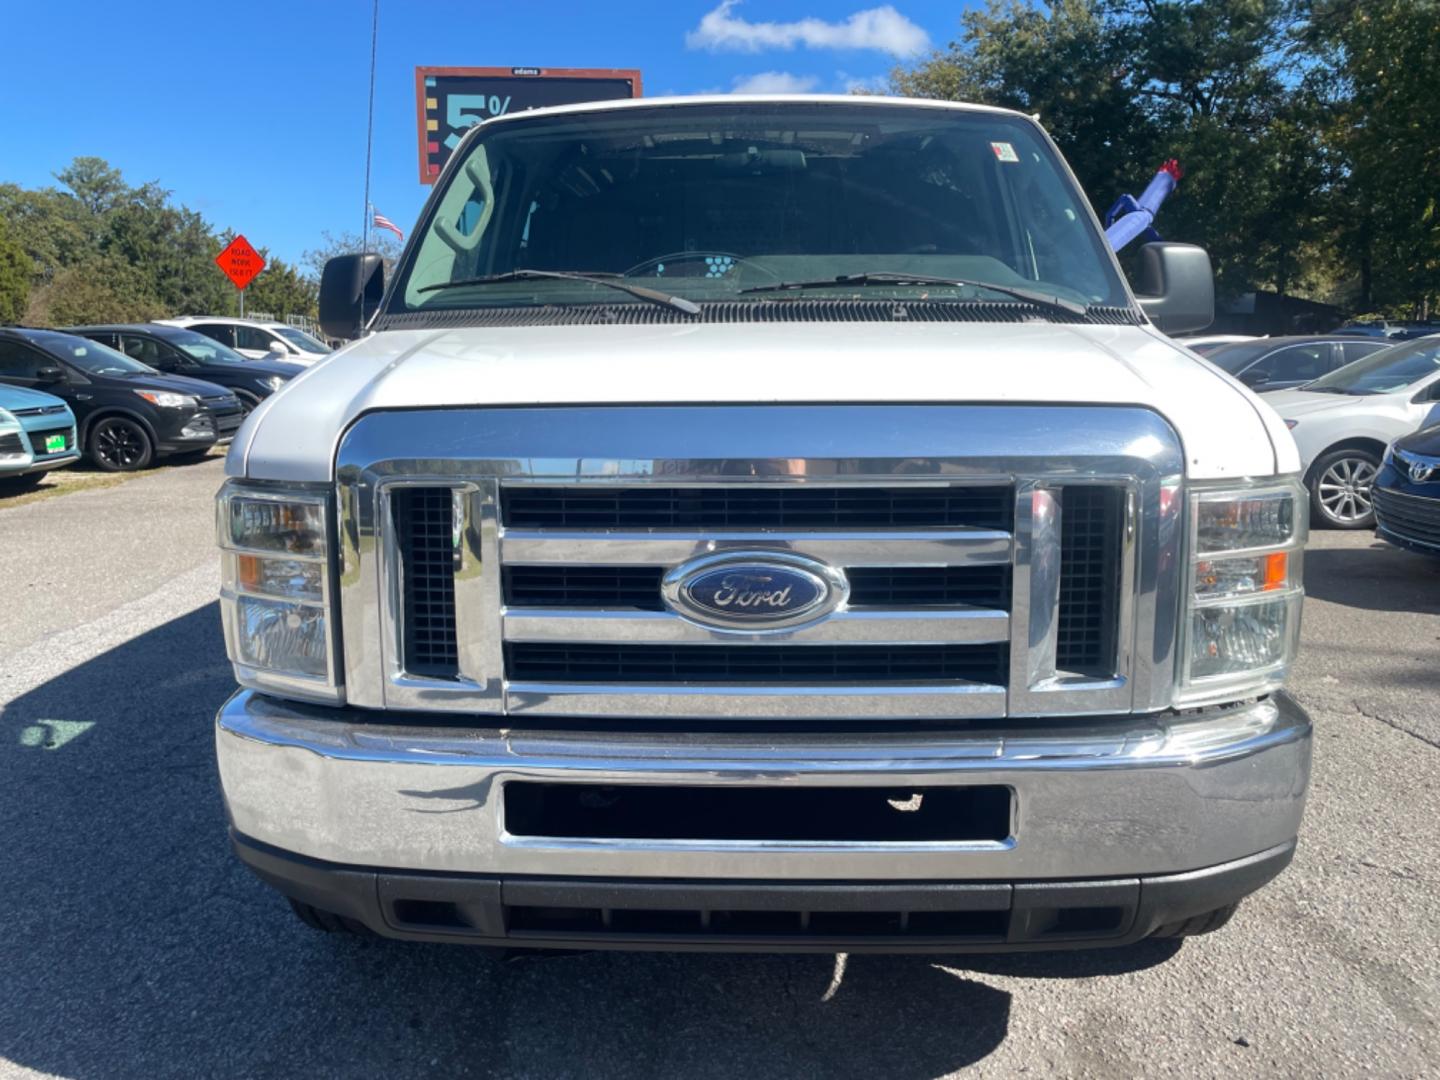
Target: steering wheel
[{"x": 715, "y": 265}]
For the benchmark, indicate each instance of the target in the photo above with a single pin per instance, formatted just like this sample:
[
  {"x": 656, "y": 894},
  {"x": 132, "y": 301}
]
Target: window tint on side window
[
  {"x": 1298, "y": 363},
  {"x": 1358, "y": 350},
  {"x": 250, "y": 337},
  {"x": 221, "y": 332},
  {"x": 19, "y": 361}
]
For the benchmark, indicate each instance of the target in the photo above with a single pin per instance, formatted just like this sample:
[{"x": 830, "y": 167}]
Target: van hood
[{"x": 1224, "y": 428}]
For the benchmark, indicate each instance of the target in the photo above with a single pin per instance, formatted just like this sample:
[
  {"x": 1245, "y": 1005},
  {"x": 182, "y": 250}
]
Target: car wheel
[
  {"x": 120, "y": 445},
  {"x": 1340, "y": 486},
  {"x": 247, "y": 404}
]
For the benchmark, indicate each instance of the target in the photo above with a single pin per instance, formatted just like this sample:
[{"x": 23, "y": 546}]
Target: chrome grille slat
[
  {"x": 920, "y": 626},
  {"x": 920, "y": 547}
]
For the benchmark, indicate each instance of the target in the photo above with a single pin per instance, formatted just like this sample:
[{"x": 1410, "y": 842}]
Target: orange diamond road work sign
[{"x": 240, "y": 261}]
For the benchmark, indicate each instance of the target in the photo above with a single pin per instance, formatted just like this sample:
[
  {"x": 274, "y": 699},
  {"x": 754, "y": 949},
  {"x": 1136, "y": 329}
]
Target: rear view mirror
[
  {"x": 351, "y": 287},
  {"x": 1176, "y": 287},
  {"x": 49, "y": 375}
]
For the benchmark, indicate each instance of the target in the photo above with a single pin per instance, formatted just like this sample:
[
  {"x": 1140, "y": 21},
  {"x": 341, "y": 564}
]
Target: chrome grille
[{"x": 998, "y": 566}]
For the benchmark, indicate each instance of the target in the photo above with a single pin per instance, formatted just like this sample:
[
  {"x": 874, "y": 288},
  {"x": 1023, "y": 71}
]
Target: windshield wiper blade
[
  {"x": 1018, "y": 292},
  {"x": 679, "y": 303}
]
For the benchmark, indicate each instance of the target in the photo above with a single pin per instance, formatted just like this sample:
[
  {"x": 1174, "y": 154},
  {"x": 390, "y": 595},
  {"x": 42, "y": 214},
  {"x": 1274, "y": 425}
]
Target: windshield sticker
[{"x": 1005, "y": 152}]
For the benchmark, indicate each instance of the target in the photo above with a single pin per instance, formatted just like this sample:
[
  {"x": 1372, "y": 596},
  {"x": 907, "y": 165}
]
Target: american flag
[{"x": 383, "y": 222}]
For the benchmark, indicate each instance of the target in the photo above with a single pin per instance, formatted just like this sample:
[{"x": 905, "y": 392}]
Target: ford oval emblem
[{"x": 754, "y": 591}]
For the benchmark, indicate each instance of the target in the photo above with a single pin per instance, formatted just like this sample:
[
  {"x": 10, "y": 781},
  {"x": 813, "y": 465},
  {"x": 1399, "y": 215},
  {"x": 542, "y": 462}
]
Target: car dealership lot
[{"x": 134, "y": 945}]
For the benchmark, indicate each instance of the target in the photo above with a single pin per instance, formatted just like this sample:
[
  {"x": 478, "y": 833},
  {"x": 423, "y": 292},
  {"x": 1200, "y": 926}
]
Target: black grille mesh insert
[
  {"x": 559, "y": 662},
  {"x": 584, "y": 586},
  {"x": 1410, "y": 516},
  {"x": 771, "y": 508},
  {"x": 424, "y": 530},
  {"x": 10, "y": 443},
  {"x": 1090, "y": 521},
  {"x": 639, "y": 586},
  {"x": 930, "y": 586}
]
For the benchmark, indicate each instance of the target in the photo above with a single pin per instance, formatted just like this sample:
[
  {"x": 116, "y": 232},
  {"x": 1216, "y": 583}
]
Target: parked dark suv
[
  {"x": 178, "y": 351},
  {"x": 128, "y": 414}
]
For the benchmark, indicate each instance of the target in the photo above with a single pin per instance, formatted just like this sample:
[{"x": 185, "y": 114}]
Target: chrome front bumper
[{"x": 1141, "y": 796}]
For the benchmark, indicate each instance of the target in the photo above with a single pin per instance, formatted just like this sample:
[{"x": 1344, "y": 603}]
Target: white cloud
[
  {"x": 861, "y": 84},
  {"x": 774, "y": 82},
  {"x": 882, "y": 29}
]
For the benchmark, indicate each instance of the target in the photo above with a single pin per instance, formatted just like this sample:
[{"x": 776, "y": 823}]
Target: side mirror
[
  {"x": 1177, "y": 287},
  {"x": 49, "y": 375},
  {"x": 351, "y": 287}
]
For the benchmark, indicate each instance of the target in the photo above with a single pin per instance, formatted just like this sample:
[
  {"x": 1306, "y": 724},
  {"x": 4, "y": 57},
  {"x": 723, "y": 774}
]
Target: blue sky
[{"x": 254, "y": 113}]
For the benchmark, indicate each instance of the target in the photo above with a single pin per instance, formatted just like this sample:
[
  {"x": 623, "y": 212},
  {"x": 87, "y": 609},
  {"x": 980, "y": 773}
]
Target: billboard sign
[{"x": 448, "y": 100}]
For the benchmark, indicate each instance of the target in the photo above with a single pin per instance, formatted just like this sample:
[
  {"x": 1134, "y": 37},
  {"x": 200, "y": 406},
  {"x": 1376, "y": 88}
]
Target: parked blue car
[{"x": 37, "y": 434}]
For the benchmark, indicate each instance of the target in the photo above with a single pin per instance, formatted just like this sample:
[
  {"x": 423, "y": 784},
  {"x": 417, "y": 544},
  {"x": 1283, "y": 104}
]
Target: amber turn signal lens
[{"x": 1277, "y": 571}]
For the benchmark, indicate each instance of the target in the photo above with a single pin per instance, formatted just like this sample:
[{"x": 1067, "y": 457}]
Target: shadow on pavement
[
  {"x": 136, "y": 945},
  {"x": 1376, "y": 577}
]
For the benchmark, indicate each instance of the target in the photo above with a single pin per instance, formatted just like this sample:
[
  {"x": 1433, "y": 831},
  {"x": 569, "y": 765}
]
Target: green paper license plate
[{"x": 54, "y": 444}]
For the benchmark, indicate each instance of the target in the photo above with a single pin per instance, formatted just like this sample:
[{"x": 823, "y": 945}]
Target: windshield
[
  {"x": 91, "y": 356},
  {"x": 1236, "y": 358},
  {"x": 204, "y": 349},
  {"x": 704, "y": 202},
  {"x": 1384, "y": 372},
  {"x": 301, "y": 340}
]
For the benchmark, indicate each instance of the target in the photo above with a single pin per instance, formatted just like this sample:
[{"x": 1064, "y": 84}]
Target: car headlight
[
  {"x": 274, "y": 382},
  {"x": 275, "y": 589},
  {"x": 166, "y": 400},
  {"x": 1242, "y": 625}
]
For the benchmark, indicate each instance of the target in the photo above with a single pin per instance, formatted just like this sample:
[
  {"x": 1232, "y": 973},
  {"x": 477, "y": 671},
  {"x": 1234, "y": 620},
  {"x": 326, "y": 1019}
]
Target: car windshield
[
  {"x": 301, "y": 340},
  {"x": 1236, "y": 358},
  {"x": 198, "y": 346},
  {"x": 92, "y": 357},
  {"x": 1384, "y": 372},
  {"x": 708, "y": 201}
]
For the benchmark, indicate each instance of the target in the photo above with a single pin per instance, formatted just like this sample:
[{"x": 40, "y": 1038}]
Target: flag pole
[{"x": 370, "y": 124}]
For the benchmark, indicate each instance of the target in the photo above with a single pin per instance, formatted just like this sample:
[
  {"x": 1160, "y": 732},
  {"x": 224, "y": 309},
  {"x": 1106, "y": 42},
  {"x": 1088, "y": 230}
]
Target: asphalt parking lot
[{"x": 133, "y": 944}]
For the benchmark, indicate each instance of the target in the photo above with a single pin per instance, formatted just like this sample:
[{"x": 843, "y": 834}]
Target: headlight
[
  {"x": 275, "y": 589},
  {"x": 1291, "y": 424},
  {"x": 1243, "y": 622},
  {"x": 166, "y": 400},
  {"x": 7, "y": 418},
  {"x": 274, "y": 382}
]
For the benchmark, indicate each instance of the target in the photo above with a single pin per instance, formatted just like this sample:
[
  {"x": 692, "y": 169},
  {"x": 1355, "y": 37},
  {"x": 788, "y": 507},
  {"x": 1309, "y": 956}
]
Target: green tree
[
  {"x": 1384, "y": 55},
  {"x": 15, "y": 271},
  {"x": 1124, "y": 84},
  {"x": 103, "y": 288},
  {"x": 281, "y": 290}
]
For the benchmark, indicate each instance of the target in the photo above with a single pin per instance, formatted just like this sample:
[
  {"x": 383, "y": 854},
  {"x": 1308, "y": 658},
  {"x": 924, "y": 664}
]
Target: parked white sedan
[{"x": 1344, "y": 421}]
